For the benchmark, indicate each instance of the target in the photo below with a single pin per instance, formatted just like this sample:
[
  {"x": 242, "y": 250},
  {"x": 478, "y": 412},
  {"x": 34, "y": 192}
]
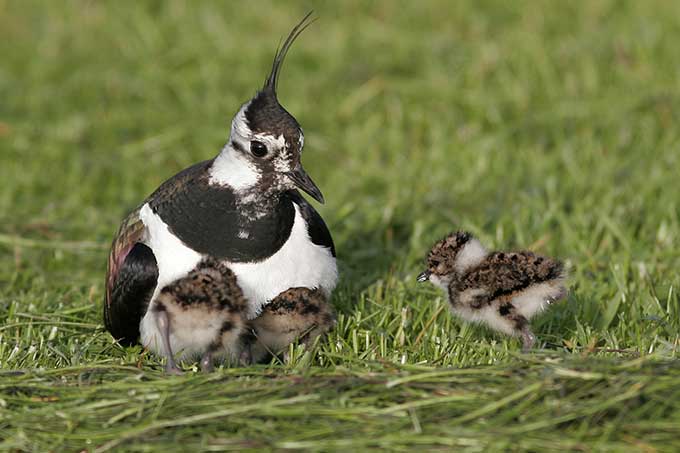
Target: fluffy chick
[
  {"x": 502, "y": 289},
  {"x": 300, "y": 314},
  {"x": 205, "y": 310}
]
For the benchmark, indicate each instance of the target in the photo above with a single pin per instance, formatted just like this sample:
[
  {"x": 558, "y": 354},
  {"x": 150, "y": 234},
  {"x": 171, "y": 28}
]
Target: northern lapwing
[
  {"x": 501, "y": 289},
  {"x": 241, "y": 208}
]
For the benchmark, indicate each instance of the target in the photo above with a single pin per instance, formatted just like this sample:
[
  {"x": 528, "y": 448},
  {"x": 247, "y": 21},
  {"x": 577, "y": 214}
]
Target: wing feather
[
  {"x": 504, "y": 273},
  {"x": 131, "y": 231},
  {"x": 130, "y": 280}
]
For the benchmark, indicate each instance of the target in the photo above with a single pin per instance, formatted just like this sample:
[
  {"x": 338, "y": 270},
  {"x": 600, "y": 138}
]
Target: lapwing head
[
  {"x": 451, "y": 256},
  {"x": 268, "y": 138}
]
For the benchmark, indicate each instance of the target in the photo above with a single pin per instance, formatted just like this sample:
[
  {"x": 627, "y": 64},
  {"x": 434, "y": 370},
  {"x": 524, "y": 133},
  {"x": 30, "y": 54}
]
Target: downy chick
[
  {"x": 205, "y": 312},
  {"x": 300, "y": 314},
  {"x": 501, "y": 289}
]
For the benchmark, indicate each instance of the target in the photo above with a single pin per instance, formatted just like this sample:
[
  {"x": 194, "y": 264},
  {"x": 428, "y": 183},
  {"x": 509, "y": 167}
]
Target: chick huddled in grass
[
  {"x": 297, "y": 314},
  {"x": 205, "y": 312},
  {"x": 501, "y": 289}
]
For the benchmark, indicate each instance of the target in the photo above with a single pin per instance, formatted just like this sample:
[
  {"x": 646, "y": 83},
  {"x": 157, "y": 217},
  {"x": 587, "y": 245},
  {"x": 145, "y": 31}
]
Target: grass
[{"x": 542, "y": 125}]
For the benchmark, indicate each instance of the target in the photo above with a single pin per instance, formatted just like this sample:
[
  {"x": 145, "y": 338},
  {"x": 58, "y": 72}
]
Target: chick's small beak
[
  {"x": 304, "y": 182},
  {"x": 424, "y": 276}
]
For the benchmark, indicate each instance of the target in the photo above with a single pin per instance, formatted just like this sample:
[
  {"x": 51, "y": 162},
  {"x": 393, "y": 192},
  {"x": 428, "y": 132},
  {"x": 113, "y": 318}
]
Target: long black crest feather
[{"x": 273, "y": 78}]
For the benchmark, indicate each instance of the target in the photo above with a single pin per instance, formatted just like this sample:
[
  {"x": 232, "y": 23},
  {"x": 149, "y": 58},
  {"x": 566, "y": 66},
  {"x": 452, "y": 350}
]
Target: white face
[
  {"x": 243, "y": 136},
  {"x": 240, "y": 168}
]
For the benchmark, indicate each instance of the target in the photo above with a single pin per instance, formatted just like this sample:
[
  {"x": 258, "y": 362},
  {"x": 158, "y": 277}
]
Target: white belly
[{"x": 298, "y": 263}]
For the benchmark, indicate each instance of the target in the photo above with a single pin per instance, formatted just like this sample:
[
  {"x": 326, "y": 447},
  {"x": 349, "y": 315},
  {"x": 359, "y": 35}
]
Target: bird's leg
[
  {"x": 163, "y": 323},
  {"x": 528, "y": 338},
  {"x": 246, "y": 357},
  {"x": 207, "y": 362},
  {"x": 520, "y": 324},
  {"x": 247, "y": 339}
]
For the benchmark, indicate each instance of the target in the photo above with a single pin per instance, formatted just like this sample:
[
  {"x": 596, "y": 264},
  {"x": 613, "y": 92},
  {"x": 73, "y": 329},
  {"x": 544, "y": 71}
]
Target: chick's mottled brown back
[{"x": 506, "y": 272}]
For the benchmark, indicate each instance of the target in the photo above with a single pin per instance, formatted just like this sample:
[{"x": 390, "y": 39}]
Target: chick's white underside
[
  {"x": 528, "y": 303},
  {"x": 194, "y": 330},
  {"x": 298, "y": 263}
]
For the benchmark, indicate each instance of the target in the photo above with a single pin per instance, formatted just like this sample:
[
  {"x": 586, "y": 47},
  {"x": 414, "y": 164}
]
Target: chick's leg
[
  {"x": 163, "y": 323},
  {"x": 246, "y": 342},
  {"x": 300, "y": 314},
  {"x": 528, "y": 338},
  {"x": 207, "y": 362},
  {"x": 518, "y": 324},
  {"x": 524, "y": 329}
]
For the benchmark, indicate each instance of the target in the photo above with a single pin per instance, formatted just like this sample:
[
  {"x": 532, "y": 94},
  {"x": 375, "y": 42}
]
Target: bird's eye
[{"x": 258, "y": 149}]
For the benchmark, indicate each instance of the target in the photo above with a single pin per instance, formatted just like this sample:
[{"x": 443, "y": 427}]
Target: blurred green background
[{"x": 535, "y": 124}]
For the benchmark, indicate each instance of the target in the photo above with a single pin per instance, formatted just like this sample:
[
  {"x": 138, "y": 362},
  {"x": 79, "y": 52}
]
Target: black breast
[{"x": 208, "y": 220}]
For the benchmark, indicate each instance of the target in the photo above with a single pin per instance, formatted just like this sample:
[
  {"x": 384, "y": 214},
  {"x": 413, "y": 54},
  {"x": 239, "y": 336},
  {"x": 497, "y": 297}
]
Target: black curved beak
[
  {"x": 423, "y": 276},
  {"x": 304, "y": 182}
]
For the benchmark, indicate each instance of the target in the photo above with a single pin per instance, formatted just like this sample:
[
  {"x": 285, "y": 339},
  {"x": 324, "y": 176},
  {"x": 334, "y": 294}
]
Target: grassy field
[{"x": 553, "y": 126}]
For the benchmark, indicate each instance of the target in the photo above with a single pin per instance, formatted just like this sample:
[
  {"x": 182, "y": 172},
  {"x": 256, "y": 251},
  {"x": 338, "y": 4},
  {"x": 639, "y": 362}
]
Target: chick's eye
[{"x": 258, "y": 148}]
